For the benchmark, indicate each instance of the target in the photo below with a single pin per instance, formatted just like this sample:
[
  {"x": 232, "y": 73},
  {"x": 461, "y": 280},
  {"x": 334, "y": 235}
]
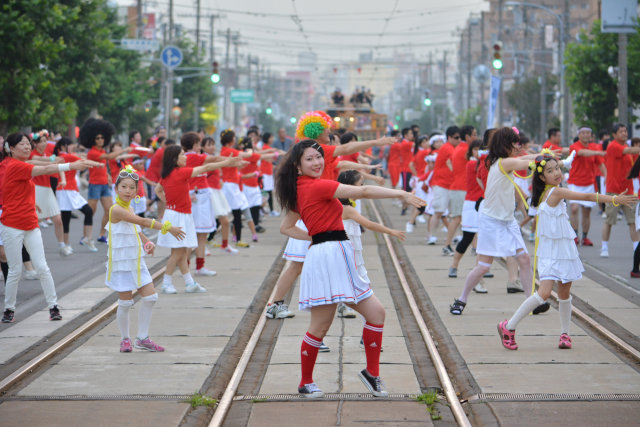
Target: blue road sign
[{"x": 171, "y": 56}]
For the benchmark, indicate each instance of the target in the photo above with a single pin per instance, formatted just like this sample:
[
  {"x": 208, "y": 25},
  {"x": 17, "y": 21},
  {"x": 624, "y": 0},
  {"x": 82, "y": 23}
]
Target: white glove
[{"x": 567, "y": 162}]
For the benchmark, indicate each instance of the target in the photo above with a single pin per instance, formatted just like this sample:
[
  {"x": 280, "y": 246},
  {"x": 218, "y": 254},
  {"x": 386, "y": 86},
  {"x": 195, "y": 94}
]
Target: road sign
[
  {"x": 171, "y": 57},
  {"x": 140, "y": 45},
  {"x": 241, "y": 96}
]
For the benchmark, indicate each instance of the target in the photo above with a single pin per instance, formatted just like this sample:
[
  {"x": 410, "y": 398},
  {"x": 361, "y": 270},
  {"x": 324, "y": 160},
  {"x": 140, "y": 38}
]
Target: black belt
[{"x": 329, "y": 236}]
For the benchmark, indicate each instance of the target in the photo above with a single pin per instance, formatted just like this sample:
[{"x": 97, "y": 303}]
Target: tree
[
  {"x": 593, "y": 91},
  {"x": 524, "y": 97}
]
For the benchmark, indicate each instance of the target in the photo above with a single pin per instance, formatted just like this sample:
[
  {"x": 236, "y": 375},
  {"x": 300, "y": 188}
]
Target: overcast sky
[{"x": 336, "y": 31}]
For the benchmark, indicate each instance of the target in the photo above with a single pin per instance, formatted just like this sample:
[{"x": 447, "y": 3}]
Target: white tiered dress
[
  {"x": 124, "y": 258},
  {"x": 354, "y": 233},
  {"x": 557, "y": 254}
]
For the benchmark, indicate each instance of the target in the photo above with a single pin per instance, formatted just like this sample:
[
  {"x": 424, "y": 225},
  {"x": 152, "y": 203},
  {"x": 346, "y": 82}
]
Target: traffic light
[
  {"x": 427, "y": 99},
  {"x": 147, "y": 106},
  {"x": 497, "y": 55},
  {"x": 215, "y": 74},
  {"x": 293, "y": 120},
  {"x": 268, "y": 110}
]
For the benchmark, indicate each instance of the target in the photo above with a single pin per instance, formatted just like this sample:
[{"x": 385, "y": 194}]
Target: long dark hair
[
  {"x": 11, "y": 141},
  {"x": 286, "y": 179},
  {"x": 348, "y": 177},
  {"x": 635, "y": 170},
  {"x": 419, "y": 140},
  {"x": 170, "y": 159},
  {"x": 537, "y": 185},
  {"x": 500, "y": 145},
  {"x": 62, "y": 144},
  {"x": 472, "y": 146}
]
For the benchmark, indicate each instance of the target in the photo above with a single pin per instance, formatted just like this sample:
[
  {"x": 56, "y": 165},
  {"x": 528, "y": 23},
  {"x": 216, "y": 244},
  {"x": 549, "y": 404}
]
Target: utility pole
[
  {"x": 468, "y": 103},
  {"x": 543, "y": 93},
  {"x": 139, "y": 19},
  {"x": 483, "y": 54},
  {"x": 444, "y": 86},
  {"x": 623, "y": 109},
  {"x": 196, "y": 101},
  {"x": 500, "y": 97},
  {"x": 566, "y": 99},
  {"x": 211, "y": 48}
]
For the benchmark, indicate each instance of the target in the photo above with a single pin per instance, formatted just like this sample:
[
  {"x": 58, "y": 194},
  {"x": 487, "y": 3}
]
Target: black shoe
[
  {"x": 457, "y": 307},
  {"x": 260, "y": 229},
  {"x": 8, "y": 316},
  {"x": 374, "y": 384},
  {"x": 541, "y": 308},
  {"x": 54, "y": 313},
  {"x": 488, "y": 275}
]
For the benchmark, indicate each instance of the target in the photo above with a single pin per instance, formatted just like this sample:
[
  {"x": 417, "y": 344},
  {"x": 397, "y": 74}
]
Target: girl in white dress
[
  {"x": 556, "y": 252},
  {"x": 126, "y": 269}
]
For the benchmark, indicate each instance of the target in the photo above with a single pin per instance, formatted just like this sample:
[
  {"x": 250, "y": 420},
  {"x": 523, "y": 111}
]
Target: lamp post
[{"x": 564, "y": 128}]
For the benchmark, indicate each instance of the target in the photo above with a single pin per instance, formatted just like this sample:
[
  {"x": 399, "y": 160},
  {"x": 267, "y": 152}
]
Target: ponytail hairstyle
[
  {"x": 486, "y": 138},
  {"x": 205, "y": 141},
  {"x": 188, "y": 140},
  {"x": 170, "y": 159},
  {"x": 349, "y": 177},
  {"x": 286, "y": 179},
  {"x": 11, "y": 141},
  {"x": 418, "y": 142},
  {"x": 537, "y": 184},
  {"x": 501, "y": 145},
  {"x": 62, "y": 144},
  {"x": 227, "y": 136}
]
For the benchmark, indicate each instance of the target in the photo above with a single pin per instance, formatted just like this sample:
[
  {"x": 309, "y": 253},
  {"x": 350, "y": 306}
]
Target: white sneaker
[
  {"x": 421, "y": 219},
  {"x": 66, "y": 251},
  {"x": 278, "y": 311},
  {"x": 604, "y": 253},
  {"x": 49, "y": 222},
  {"x": 43, "y": 224},
  {"x": 604, "y": 215},
  {"x": 30, "y": 275},
  {"x": 194, "y": 287},
  {"x": 274, "y": 213},
  {"x": 204, "y": 271},
  {"x": 207, "y": 252},
  {"x": 229, "y": 250},
  {"x": 409, "y": 227},
  {"x": 445, "y": 230},
  {"x": 167, "y": 288},
  {"x": 479, "y": 288},
  {"x": 432, "y": 240},
  {"x": 346, "y": 311}
]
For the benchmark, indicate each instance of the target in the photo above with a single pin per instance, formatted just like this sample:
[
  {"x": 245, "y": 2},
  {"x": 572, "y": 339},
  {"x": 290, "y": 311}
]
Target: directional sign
[
  {"x": 140, "y": 45},
  {"x": 171, "y": 57},
  {"x": 241, "y": 96}
]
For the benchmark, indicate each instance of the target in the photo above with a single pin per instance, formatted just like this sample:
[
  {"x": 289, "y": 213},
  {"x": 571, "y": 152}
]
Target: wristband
[
  {"x": 153, "y": 222},
  {"x": 148, "y": 246},
  {"x": 613, "y": 201},
  {"x": 597, "y": 198},
  {"x": 63, "y": 167},
  {"x": 165, "y": 227},
  {"x": 276, "y": 155},
  {"x": 52, "y": 158}
]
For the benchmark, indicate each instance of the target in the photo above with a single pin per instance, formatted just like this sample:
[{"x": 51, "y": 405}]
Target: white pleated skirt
[
  {"x": 219, "y": 203},
  {"x": 469, "y": 217},
  {"x": 329, "y": 276},
  {"x": 69, "y": 200},
  {"x": 235, "y": 197},
  {"x": 267, "y": 182},
  {"x": 296, "y": 250},
  {"x": 498, "y": 238},
  {"x": 184, "y": 221},
  {"x": 123, "y": 281},
  {"x": 47, "y": 202},
  {"x": 203, "y": 218},
  {"x": 253, "y": 195}
]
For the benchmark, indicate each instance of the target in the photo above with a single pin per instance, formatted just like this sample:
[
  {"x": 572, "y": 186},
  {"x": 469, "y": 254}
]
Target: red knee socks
[
  {"x": 372, "y": 339},
  {"x": 308, "y": 355},
  {"x": 199, "y": 263}
]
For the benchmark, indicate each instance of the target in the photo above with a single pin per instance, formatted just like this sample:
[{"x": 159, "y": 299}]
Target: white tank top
[{"x": 499, "y": 197}]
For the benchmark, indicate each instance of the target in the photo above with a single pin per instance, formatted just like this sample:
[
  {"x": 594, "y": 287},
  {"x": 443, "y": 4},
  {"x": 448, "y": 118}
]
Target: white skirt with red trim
[
  {"x": 219, "y": 203},
  {"x": 330, "y": 276},
  {"x": 184, "y": 221},
  {"x": 296, "y": 250}
]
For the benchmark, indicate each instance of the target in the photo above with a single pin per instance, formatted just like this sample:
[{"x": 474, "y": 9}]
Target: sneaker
[
  {"x": 445, "y": 230},
  {"x": 89, "y": 244},
  {"x": 447, "y": 251},
  {"x": 542, "y": 308},
  {"x": 147, "y": 344},
  {"x": 586, "y": 242},
  {"x": 374, "y": 384},
  {"x": 278, "y": 311},
  {"x": 31, "y": 275},
  {"x": 66, "y": 251},
  {"x": 576, "y": 241},
  {"x": 310, "y": 391},
  {"x": 204, "y": 271},
  {"x": 514, "y": 287},
  {"x": 260, "y": 229},
  {"x": 362, "y": 345},
  {"x": 242, "y": 244},
  {"x": 432, "y": 240},
  {"x": 254, "y": 238},
  {"x": 323, "y": 348},
  {"x": 507, "y": 337},
  {"x": 456, "y": 240},
  {"x": 194, "y": 287},
  {"x": 207, "y": 252},
  {"x": 457, "y": 307},
  {"x": 228, "y": 249},
  {"x": 49, "y": 222},
  {"x": 532, "y": 237},
  {"x": 102, "y": 239},
  {"x": 43, "y": 224},
  {"x": 54, "y": 313},
  {"x": 409, "y": 227},
  {"x": 604, "y": 253},
  {"x": 421, "y": 219},
  {"x": 453, "y": 272},
  {"x": 8, "y": 315},
  {"x": 565, "y": 341},
  {"x": 603, "y": 215},
  {"x": 167, "y": 288},
  {"x": 274, "y": 213},
  {"x": 346, "y": 312},
  {"x": 480, "y": 289},
  {"x": 634, "y": 274},
  {"x": 126, "y": 346},
  {"x": 488, "y": 275}
]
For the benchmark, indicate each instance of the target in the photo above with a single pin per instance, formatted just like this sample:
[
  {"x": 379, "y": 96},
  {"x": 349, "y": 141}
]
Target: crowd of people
[{"x": 489, "y": 193}]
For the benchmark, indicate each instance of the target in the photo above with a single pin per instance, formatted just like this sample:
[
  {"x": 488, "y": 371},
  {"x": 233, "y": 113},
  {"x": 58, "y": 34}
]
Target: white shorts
[
  {"x": 329, "y": 276},
  {"x": 296, "y": 250},
  {"x": 469, "y": 217},
  {"x": 267, "y": 182},
  {"x": 184, "y": 221},
  {"x": 47, "y": 202},
  {"x": 69, "y": 200},
  {"x": 440, "y": 201},
  {"x": 253, "y": 195},
  {"x": 203, "y": 218},
  {"x": 582, "y": 189},
  {"x": 219, "y": 203},
  {"x": 235, "y": 197},
  {"x": 498, "y": 238},
  {"x": 123, "y": 281}
]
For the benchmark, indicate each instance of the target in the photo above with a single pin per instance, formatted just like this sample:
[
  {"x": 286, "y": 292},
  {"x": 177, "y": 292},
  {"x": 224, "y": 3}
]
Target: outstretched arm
[
  {"x": 355, "y": 146},
  {"x": 560, "y": 193},
  {"x": 375, "y": 192}
]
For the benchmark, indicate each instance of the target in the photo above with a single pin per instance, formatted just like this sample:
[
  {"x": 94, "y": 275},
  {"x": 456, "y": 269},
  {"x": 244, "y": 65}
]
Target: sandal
[
  {"x": 565, "y": 341},
  {"x": 542, "y": 308},
  {"x": 457, "y": 307},
  {"x": 507, "y": 337}
]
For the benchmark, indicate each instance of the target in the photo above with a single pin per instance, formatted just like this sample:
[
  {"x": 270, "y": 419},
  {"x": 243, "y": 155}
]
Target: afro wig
[
  {"x": 93, "y": 127},
  {"x": 312, "y": 124}
]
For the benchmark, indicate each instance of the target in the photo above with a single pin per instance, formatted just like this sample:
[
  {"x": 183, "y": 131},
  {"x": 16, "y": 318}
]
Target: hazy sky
[{"x": 336, "y": 31}]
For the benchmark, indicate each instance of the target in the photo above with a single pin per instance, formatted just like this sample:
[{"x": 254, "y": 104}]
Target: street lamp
[{"x": 563, "y": 89}]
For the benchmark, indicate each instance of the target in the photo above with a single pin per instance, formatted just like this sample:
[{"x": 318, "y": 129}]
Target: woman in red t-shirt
[
  {"x": 418, "y": 168},
  {"x": 328, "y": 274},
  {"x": 173, "y": 189},
  {"x": 266, "y": 169},
  {"x": 19, "y": 221}
]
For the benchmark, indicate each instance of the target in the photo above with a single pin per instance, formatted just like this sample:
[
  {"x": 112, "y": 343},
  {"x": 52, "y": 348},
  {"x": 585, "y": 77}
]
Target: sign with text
[{"x": 241, "y": 96}]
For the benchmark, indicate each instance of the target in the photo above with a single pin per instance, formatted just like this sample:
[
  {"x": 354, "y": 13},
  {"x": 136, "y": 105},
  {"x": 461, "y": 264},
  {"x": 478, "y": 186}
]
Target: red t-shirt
[
  {"x": 442, "y": 176},
  {"x": 230, "y": 174},
  {"x": 395, "y": 155},
  {"x": 70, "y": 175},
  {"x": 97, "y": 175},
  {"x": 483, "y": 172},
  {"x": 597, "y": 160},
  {"x": 317, "y": 207},
  {"x": 19, "y": 196},
  {"x": 350, "y": 157},
  {"x": 41, "y": 180},
  {"x": 266, "y": 166},
  {"x": 141, "y": 191},
  {"x": 3, "y": 169},
  {"x": 251, "y": 168},
  {"x": 114, "y": 169},
  {"x": 176, "y": 189},
  {"x": 474, "y": 192},
  {"x": 213, "y": 179},
  {"x": 155, "y": 166},
  {"x": 548, "y": 144},
  {"x": 419, "y": 161},
  {"x": 194, "y": 160},
  {"x": 406, "y": 155},
  {"x": 140, "y": 151},
  {"x": 618, "y": 166},
  {"x": 582, "y": 169},
  {"x": 330, "y": 162},
  {"x": 459, "y": 162},
  {"x": 48, "y": 150}
]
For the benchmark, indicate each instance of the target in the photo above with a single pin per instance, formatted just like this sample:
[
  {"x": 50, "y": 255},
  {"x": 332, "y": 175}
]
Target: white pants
[{"x": 32, "y": 239}]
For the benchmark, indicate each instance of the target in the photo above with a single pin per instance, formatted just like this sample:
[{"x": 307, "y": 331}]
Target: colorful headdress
[
  {"x": 312, "y": 124},
  {"x": 539, "y": 163}
]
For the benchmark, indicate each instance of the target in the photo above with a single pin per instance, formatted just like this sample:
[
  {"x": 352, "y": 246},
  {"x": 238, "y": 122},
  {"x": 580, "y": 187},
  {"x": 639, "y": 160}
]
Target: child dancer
[
  {"x": 126, "y": 269},
  {"x": 556, "y": 251},
  {"x": 173, "y": 189},
  {"x": 327, "y": 277}
]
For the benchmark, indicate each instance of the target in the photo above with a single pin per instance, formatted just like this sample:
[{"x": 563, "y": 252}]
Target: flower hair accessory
[
  {"x": 515, "y": 129},
  {"x": 312, "y": 124},
  {"x": 548, "y": 152}
]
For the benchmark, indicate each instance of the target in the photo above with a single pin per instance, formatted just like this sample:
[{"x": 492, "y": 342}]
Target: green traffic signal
[
  {"x": 268, "y": 110},
  {"x": 292, "y": 120},
  {"x": 427, "y": 102},
  {"x": 497, "y": 64},
  {"x": 215, "y": 78}
]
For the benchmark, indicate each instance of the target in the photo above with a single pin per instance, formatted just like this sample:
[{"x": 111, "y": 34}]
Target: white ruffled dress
[
  {"x": 125, "y": 252},
  {"x": 557, "y": 254},
  {"x": 354, "y": 233}
]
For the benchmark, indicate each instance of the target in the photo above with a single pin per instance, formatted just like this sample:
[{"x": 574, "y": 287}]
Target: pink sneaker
[
  {"x": 125, "y": 346},
  {"x": 507, "y": 337},
  {"x": 565, "y": 341},
  {"x": 147, "y": 344}
]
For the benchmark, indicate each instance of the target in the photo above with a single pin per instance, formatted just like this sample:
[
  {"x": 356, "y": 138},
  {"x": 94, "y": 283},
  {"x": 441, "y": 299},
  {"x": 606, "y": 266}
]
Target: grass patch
[
  {"x": 430, "y": 399},
  {"x": 197, "y": 399}
]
